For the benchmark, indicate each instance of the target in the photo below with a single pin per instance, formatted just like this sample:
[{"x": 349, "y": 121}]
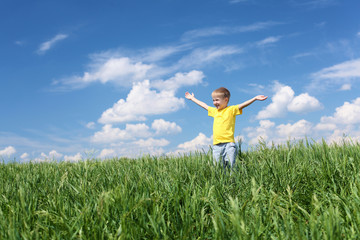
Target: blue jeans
[{"x": 226, "y": 152}]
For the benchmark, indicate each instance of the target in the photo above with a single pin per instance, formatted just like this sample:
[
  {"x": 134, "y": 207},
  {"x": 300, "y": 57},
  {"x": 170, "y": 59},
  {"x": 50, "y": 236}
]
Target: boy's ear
[{"x": 227, "y": 99}]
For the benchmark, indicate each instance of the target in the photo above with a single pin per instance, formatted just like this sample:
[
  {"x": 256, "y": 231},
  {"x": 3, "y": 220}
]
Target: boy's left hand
[{"x": 261, "y": 97}]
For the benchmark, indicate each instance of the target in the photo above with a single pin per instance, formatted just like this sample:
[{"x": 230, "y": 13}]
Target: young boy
[{"x": 224, "y": 123}]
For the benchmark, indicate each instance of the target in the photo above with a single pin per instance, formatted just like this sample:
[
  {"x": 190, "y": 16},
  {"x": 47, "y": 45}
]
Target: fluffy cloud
[
  {"x": 284, "y": 101},
  {"x": 304, "y": 103},
  {"x": 264, "y": 131},
  {"x": 109, "y": 134},
  {"x": 151, "y": 142},
  {"x": 122, "y": 71},
  {"x": 280, "y": 101},
  {"x": 114, "y": 67},
  {"x": 344, "y": 122},
  {"x": 44, "y": 47},
  {"x": 75, "y": 158},
  {"x": 300, "y": 129},
  {"x": 24, "y": 156},
  {"x": 199, "y": 142},
  {"x": 52, "y": 156},
  {"x": 119, "y": 70},
  {"x": 347, "y": 114},
  {"x": 107, "y": 153},
  {"x": 142, "y": 101},
  {"x": 8, "y": 151},
  {"x": 164, "y": 127},
  {"x": 269, "y": 132}
]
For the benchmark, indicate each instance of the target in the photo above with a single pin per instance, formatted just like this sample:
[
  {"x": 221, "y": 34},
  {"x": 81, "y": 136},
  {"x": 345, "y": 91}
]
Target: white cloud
[
  {"x": 268, "y": 131},
  {"x": 8, "y": 151},
  {"x": 347, "y": 114},
  {"x": 160, "y": 53},
  {"x": 300, "y": 129},
  {"x": 280, "y": 101},
  {"x": 301, "y": 55},
  {"x": 201, "y": 56},
  {"x": 264, "y": 131},
  {"x": 338, "y": 74},
  {"x": 179, "y": 80},
  {"x": 151, "y": 142},
  {"x": 345, "y": 70},
  {"x": 198, "y": 143},
  {"x": 24, "y": 156},
  {"x": 268, "y": 41},
  {"x": 44, "y": 47},
  {"x": 75, "y": 158},
  {"x": 164, "y": 127},
  {"x": 20, "y": 43},
  {"x": 304, "y": 104},
  {"x": 345, "y": 87},
  {"x": 140, "y": 102},
  {"x": 90, "y": 125},
  {"x": 107, "y": 153},
  {"x": 122, "y": 71},
  {"x": 284, "y": 100},
  {"x": 215, "y": 31},
  {"x": 325, "y": 126},
  {"x": 54, "y": 154},
  {"x": 119, "y": 70},
  {"x": 115, "y": 67},
  {"x": 313, "y": 3},
  {"x": 340, "y": 135},
  {"x": 344, "y": 122},
  {"x": 109, "y": 134}
]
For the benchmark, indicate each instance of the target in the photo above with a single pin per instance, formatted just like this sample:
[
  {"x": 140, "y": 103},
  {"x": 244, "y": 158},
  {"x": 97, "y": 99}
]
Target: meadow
[{"x": 299, "y": 190}]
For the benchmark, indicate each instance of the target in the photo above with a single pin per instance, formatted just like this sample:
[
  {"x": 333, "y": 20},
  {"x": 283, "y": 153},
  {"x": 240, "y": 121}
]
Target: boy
[{"x": 224, "y": 146}]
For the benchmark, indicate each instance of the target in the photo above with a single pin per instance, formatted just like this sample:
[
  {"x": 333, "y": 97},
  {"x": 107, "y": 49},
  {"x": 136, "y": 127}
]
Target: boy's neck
[{"x": 223, "y": 108}]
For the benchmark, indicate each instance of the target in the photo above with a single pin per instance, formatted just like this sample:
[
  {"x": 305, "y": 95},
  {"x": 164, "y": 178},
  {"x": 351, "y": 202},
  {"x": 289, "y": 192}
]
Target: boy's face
[{"x": 219, "y": 101}]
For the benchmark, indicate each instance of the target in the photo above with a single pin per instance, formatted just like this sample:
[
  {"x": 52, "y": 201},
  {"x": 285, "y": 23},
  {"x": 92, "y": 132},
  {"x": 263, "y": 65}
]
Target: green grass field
[{"x": 299, "y": 190}]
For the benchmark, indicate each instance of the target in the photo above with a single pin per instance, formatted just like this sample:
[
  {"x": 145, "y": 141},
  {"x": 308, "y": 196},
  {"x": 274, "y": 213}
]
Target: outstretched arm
[
  {"x": 191, "y": 97},
  {"x": 248, "y": 102}
]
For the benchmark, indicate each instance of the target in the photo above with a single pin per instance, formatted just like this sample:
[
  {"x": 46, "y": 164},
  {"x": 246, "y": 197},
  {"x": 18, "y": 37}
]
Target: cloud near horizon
[
  {"x": 344, "y": 122},
  {"x": 8, "y": 151}
]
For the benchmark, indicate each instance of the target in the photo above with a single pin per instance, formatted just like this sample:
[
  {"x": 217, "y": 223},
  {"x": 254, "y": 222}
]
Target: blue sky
[{"x": 100, "y": 79}]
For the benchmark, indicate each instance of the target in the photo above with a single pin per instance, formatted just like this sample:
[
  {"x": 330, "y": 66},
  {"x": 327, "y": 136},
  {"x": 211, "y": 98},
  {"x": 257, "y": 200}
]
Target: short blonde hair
[{"x": 222, "y": 91}]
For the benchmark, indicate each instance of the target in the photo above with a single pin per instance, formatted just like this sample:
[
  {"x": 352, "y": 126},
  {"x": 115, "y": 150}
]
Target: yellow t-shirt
[{"x": 224, "y": 123}]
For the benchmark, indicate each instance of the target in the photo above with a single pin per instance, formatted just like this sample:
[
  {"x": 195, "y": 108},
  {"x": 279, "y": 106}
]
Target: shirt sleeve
[
  {"x": 237, "y": 111},
  {"x": 211, "y": 111}
]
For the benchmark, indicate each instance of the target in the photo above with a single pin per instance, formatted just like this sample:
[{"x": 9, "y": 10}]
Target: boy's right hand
[{"x": 189, "y": 95}]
